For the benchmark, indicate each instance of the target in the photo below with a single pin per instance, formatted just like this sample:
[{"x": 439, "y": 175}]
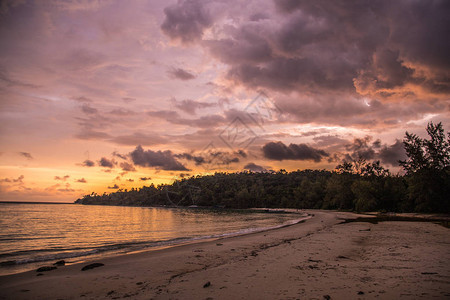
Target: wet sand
[{"x": 318, "y": 259}]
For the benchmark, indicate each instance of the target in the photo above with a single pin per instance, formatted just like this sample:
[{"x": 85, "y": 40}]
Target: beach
[{"x": 321, "y": 258}]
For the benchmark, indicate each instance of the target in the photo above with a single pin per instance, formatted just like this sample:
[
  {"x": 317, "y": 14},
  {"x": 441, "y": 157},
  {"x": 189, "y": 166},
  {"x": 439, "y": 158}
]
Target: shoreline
[
  {"x": 158, "y": 245},
  {"x": 321, "y": 256}
]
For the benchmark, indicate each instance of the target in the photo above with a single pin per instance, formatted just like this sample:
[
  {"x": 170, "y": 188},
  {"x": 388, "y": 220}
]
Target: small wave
[{"x": 43, "y": 255}]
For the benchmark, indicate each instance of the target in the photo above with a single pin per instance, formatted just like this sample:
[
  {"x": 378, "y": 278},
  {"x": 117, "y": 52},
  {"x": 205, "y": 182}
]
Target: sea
[{"x": 34, "y": 235}]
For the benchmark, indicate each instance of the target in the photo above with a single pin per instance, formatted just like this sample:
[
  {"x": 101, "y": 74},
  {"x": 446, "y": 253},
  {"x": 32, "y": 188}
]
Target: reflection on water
[{"x": 35, "y": 233}]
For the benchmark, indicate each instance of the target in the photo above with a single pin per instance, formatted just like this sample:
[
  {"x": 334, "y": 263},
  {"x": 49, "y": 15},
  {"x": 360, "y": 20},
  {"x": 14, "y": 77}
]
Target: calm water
[{"x": 33, "y": 235}]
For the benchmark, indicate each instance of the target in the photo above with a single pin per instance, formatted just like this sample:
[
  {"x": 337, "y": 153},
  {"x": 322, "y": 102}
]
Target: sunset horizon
[
  {"x": 224, "y": 149},
  {"x": 99, "y": 96}
]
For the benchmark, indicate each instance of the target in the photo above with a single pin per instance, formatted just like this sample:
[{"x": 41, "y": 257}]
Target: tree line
[{"x": 358, "y": 185}]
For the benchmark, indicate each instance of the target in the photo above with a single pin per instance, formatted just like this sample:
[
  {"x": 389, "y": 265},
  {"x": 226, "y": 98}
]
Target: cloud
[
  {"x": 127, "y": 167},
  {"x": 163, "y": 160},
  {"x": 122, "y": 112},
  {"x": 393, "y": 153},
  {"x": 26, "y": 155},
  {"x": 366, "y": 149},
  {"x": 81, "y": 180},
  {"x": 279, "y": 151},
  {"x": 6, "y": 5},
  {"x": 12, "y": 180},
  {"x": 191, "y": 106},
  {"x": 213, "y": 158},
  {"x": 327, "y": 61},
  {"x": 63, "y": 178},
  {"x": 196, "y": 158},
  {"x": 186, "y": 20},
  {"x": 202, "y": 122},
  {"x": 145, "y": 178},
  {"x": 361, "y": 148},
  {"x": 88, "y": 163},
  {"x": 340, "y": 45},
  {"x": 329, "y": 141},
  {"x": 87, "y": 109},
  {"x": 121, "y": 156},
  {"x": 115, "y": 186},
  {"x": 82, "y": 59},
  {"x": 128, "y": 99},
  {"x": 139, "y": 138},
  {"x": 241, "y": 153},
  {"x": 11, "y": 82},
  {"x": 61, "y": 188},
  {"x": 90, "y": 134},
  {"x": 82, "y": 99},
  {"x": 254, "y": 167},
  {"x": 178, "y": 73},
  {"x": 107, "y": 163}
]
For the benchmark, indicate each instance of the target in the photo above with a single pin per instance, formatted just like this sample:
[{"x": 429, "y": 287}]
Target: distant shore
[{"x": 321, "y": 258}]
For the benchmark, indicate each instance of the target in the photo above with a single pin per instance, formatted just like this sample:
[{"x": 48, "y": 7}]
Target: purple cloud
[{"x": 163, "y": 160}]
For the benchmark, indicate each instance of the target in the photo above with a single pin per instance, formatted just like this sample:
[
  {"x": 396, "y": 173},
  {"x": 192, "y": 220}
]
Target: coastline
[
  {"x": 316, "y": 258},
  {"x": 73, "y": 253}
]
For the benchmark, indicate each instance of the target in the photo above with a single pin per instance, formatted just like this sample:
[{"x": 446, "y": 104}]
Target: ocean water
[{"x": 33, "y": 235}]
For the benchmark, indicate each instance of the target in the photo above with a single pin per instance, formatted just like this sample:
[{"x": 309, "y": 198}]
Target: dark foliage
[{"x": 358, "y": 185}]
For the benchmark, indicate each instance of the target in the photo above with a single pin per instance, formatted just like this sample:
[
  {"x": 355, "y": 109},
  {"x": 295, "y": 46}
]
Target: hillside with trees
[{"x": 357, "y": 185}]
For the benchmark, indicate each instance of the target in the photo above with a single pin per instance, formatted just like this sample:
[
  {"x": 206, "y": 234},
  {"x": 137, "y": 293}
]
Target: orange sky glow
[{"x": 97, "y": 96}]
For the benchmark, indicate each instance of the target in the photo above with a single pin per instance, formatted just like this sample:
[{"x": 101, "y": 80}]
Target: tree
[
  {"x": 428, "y": 169},
  {"x": 427, "y": 154}
]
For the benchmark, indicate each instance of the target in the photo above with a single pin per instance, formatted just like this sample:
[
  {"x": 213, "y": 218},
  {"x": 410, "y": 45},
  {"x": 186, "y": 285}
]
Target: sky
[{"x": 97, "y": 96}]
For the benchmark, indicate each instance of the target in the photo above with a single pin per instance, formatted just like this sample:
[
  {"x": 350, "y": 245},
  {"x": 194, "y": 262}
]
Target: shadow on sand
[{"x": 383, "y": 218}]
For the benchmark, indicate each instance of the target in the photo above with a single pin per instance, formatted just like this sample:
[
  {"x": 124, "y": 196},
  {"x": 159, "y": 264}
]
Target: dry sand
[{"x": 319, "y": 259}]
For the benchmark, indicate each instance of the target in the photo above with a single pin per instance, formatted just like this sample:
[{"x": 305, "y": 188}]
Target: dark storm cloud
[
  {"x": 181, "y": 74},
  {"x": 195, "y": 158},
  {"x": 279, "y": 151},
  {"x": 191, "y": 106},
  {"x": 360, "y": 148},
  {"x": 254, "y": 167},
  {"x": 365, "y": 47},
  {"x": 213, "y": 157},
  {"x": 88, "y": 163},
  {"x": 364, "y": 148},
  {"x": 107, "y": 163},
  {"x": 186, "y": 20},
  {"x": 26, "y": 155},
  {"x": 377, "y": 144},
  {"x": 393, "y": 153},
  {"x": 164, "y": 160}
]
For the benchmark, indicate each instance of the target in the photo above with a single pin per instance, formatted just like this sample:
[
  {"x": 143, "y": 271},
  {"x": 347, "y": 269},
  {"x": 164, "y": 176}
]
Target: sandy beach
[{"x": 318, "y": 259}]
